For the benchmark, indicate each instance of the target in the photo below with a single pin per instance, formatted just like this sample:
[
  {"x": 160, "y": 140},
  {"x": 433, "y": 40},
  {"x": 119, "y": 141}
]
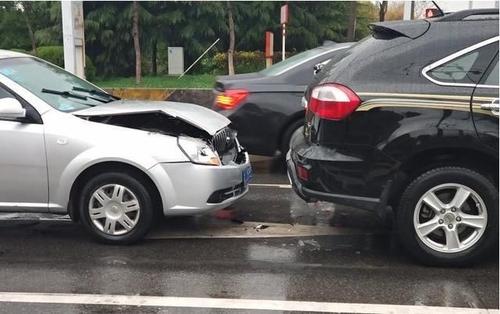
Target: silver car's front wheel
[
  {"x": 114, "y": 209},
  {"x": 450, "y": 218},
  {"x": 117, "y": 207}
]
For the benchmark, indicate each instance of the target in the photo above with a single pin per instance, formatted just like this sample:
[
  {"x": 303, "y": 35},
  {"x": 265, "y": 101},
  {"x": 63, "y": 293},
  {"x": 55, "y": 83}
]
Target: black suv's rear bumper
[
  {"x": 318, "y": 167},
  {"x": 294, "y": 181}
]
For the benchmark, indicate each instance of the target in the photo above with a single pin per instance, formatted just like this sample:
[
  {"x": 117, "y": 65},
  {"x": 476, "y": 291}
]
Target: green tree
[
  {"x": 12, "y": 26},
  {"x": 47, "y": 22},
  {"x": 231, "y": 30},
  {"x": 137, "y": 44},
  {"x": 192, "y": 25},
  {"x": 108, "y": 37}
]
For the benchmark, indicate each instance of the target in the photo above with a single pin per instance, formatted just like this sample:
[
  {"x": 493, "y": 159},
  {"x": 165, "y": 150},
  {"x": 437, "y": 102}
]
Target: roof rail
[{"x": 461, "y": 15}]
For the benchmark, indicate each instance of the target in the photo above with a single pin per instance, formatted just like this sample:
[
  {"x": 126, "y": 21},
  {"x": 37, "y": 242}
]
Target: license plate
[{"x": 247, "y": 175}]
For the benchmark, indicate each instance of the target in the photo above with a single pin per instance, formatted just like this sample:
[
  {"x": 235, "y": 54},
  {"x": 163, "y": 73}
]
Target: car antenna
[
  {"x": 192, "y": 65},
  {"x": 440, "y": 10},
  {"x": 201, "y": 56}
]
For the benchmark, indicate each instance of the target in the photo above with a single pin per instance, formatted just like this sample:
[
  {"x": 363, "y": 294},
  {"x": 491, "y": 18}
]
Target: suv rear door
[
  {"x": 485, "y": 107},
  {"x": 474, "y": 67}
]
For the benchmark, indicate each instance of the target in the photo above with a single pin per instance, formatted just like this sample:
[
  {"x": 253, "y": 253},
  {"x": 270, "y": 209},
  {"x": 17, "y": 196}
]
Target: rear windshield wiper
[
  {"x": 64, "y": 93},
  {"x": 95, "y": 92}
]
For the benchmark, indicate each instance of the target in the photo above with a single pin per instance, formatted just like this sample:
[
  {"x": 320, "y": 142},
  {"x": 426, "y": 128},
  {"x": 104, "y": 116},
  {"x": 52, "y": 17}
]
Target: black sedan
[{"x": 265, "y": 107}]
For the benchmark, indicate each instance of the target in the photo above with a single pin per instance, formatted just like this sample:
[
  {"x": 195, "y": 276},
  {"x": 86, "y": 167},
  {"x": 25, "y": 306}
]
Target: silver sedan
[{"x": 68, "y": 147}]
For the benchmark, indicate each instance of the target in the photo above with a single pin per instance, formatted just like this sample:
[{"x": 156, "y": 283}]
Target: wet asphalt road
[{"x": 270, "y": 246}]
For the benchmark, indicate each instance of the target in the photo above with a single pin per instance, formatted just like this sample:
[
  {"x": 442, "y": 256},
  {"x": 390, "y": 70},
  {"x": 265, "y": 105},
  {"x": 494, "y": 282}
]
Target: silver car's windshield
[{"x": 60, "y": 89}]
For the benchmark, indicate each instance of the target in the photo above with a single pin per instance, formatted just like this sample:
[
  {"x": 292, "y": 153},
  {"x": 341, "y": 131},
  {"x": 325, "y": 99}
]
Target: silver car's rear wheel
[
  {"x": 450, "y": 218},
  {"x": 114, "y": 209}
]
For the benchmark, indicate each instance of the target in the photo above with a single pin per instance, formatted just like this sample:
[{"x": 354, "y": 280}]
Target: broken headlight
[{"x": 198, "y": 151}]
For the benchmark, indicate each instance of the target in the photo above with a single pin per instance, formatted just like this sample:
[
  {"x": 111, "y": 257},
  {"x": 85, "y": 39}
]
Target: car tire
[
  {"x": 453, "y": 242},
  {"x": 292, "y": 130},
  {"x": 116, "y": 208}
]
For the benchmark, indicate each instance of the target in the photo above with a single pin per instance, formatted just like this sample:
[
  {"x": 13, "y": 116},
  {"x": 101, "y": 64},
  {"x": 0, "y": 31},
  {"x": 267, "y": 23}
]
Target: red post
[{"x": 269, "y": 49}]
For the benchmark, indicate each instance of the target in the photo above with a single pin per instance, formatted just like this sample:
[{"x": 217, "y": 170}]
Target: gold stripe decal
[
  {"x": 419, "y": 104},
  {"x": 423, "y": 101},
  {"x": 426, "y": 96}
]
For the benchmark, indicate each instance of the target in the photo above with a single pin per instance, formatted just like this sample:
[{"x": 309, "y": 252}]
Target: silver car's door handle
[{"x": 494, "y": 106}]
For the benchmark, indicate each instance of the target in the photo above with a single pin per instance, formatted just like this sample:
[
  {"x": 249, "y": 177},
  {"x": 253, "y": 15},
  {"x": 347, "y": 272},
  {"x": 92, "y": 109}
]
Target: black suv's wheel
[
  {"x": 116, "y": 208},
  {"x": 449, "y": 216}
]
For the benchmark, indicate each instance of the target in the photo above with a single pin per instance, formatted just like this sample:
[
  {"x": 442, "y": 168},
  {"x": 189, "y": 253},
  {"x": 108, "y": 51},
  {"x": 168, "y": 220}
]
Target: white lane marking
[
  {"x": 272, "y": 185},
  {"x": 248, "y": 230},
  {"x": 234, "y": 304}
]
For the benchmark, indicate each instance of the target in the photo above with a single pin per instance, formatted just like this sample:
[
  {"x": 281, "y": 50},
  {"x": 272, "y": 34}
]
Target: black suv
[{"x": 408, "y": 118}]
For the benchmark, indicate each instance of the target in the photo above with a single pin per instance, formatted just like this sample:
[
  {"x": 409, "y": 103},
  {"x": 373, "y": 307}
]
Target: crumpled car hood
[{"x": 203, "y": 118}]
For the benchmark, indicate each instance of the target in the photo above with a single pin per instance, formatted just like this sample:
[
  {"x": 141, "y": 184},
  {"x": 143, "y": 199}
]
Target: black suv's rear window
[
  {"x": 467, "y": 68},
  {"x": 491, "y": 78}
]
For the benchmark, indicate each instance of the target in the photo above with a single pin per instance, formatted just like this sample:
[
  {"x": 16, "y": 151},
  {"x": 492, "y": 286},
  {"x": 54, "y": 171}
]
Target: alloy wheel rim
[
  {"x": 114, "y": 209},
  {"x": 450, "y": 218}
]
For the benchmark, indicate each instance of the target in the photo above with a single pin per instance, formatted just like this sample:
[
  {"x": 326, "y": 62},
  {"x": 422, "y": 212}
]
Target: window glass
[
  {"x": 293, "y": 61},
  {"x": 5, "y": 94},
  {"x": 467, "y": 68},
  {"x": 36, "y": 75},
  {"x": 492, "y": 77}
]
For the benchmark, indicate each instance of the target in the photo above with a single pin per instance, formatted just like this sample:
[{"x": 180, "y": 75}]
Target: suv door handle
[{"x": 494, "y": 106}]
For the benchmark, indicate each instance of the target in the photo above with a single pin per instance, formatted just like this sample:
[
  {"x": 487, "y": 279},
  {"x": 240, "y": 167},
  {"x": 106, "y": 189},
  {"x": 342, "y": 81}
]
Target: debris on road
[
  {"x": 312, "y": 244},
  {"x": 261, "y": 227},
  {"x": 224, "y": 214}
]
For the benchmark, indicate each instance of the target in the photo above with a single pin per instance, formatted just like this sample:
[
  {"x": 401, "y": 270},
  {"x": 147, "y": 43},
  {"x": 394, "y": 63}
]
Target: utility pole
[
  {"x": 73, "y": 37},
  {"x": 408, "y": 10},
  {"x": 351, "y": 27},
  {"x": 230, "y": 51},
  {"x": 283, "y": 21}
]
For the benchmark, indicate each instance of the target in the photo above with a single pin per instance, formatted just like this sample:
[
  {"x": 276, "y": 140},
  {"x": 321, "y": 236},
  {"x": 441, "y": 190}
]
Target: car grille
[
  {"x": 224, "y": 140},
  {"x": 226, "y": 145}
]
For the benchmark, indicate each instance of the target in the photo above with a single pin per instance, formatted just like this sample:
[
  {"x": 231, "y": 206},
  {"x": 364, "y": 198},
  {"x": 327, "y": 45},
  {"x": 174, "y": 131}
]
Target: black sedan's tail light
[{"x": 230, "y": 99}]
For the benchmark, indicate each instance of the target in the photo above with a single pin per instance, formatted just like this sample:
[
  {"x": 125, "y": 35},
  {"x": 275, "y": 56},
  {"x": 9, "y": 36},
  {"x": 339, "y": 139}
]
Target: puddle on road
[{"x": 318, "y": 213}]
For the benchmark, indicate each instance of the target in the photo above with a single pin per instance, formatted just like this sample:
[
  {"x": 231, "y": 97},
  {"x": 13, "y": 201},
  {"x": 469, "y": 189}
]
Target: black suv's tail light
[
  {"x": 302, "y": 173},
  {"x": 230, "y": 99},
  {"x": 333, "y": 101}
]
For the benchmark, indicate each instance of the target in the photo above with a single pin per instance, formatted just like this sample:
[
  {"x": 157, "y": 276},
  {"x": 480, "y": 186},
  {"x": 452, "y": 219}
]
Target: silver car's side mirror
[{"x": 11, "y": 108}]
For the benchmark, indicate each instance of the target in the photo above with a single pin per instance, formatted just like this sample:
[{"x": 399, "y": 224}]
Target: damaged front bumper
[{"x": 189, "y": 189}]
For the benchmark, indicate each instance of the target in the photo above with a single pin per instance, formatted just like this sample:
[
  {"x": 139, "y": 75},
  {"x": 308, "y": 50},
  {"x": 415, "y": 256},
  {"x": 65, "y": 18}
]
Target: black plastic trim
[{"x": 309, "y": 195}]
